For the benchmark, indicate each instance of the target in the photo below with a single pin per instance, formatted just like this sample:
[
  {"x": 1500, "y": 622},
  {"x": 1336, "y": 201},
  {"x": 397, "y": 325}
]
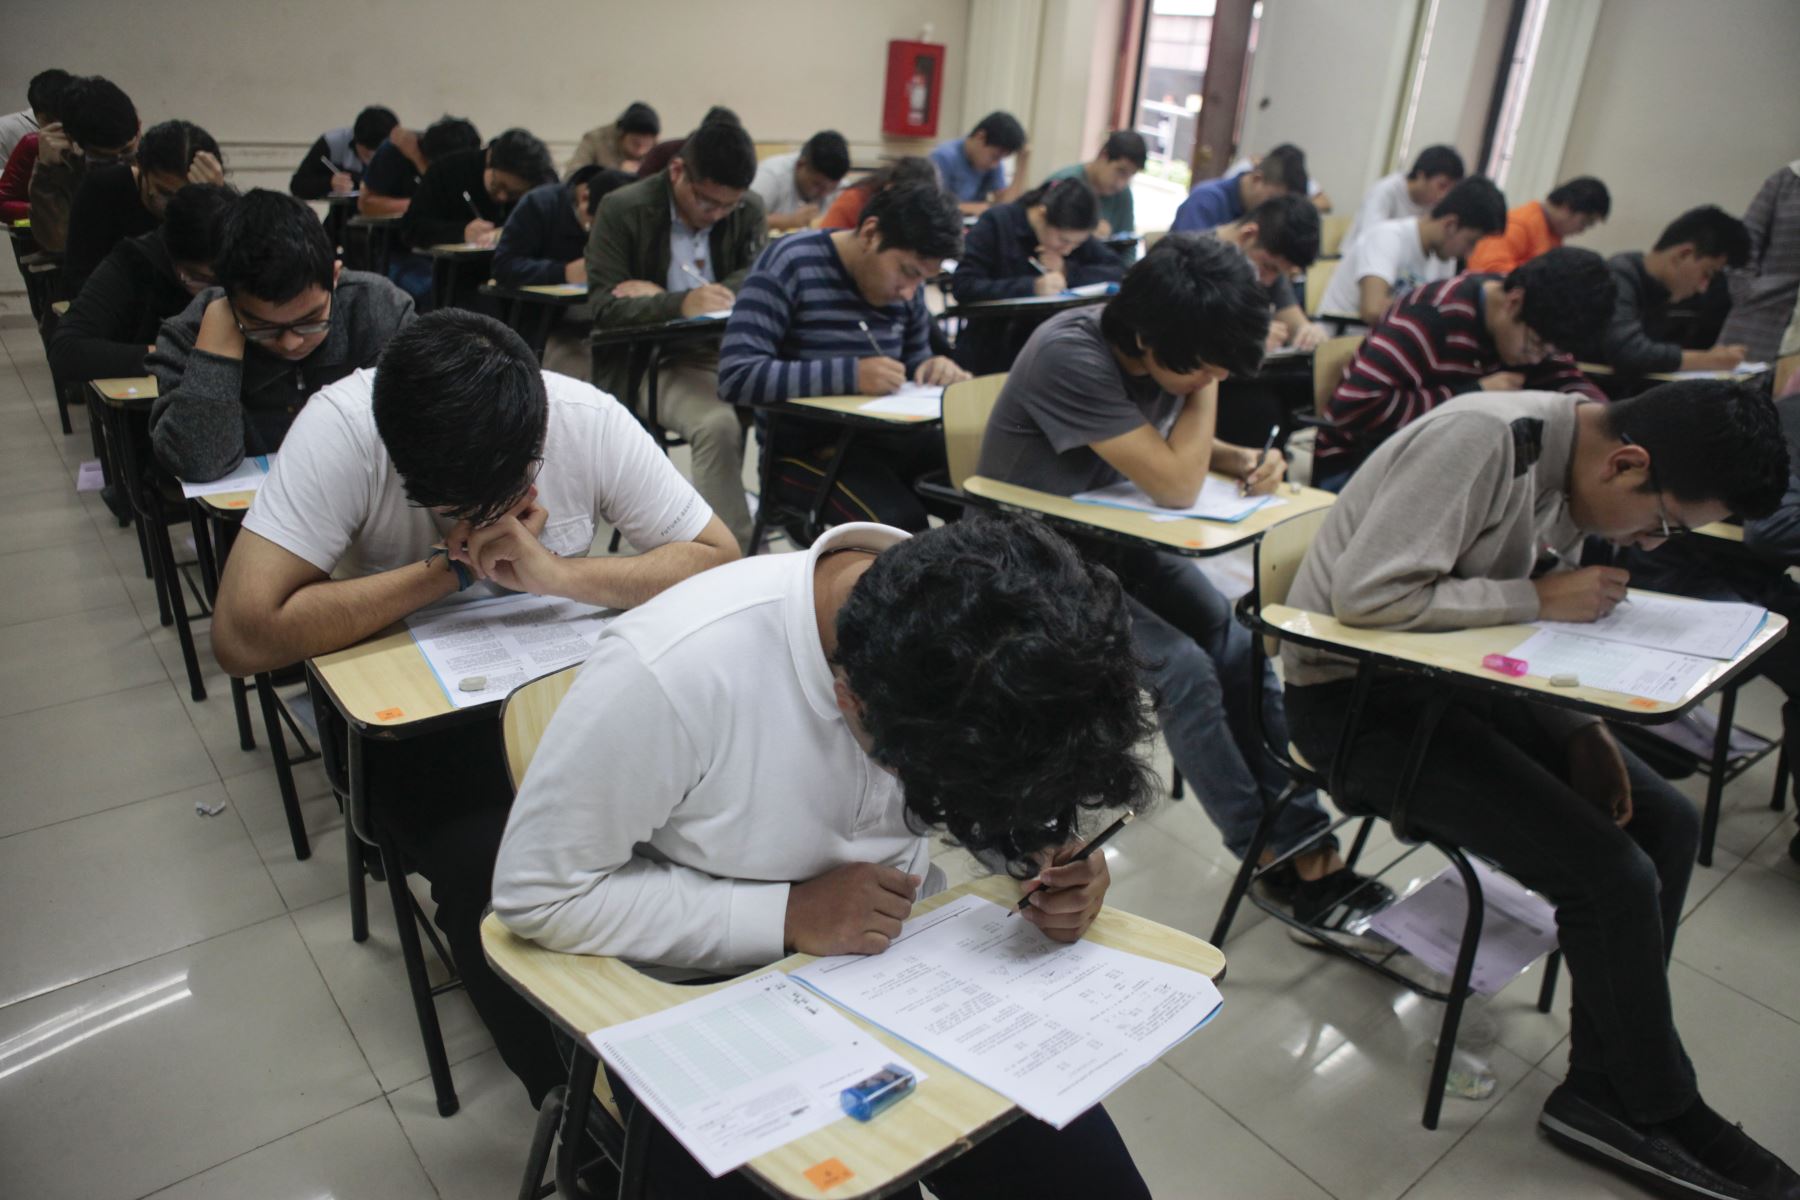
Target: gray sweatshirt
[
  {"x": 1441, "y": 527},
  {"x": 211, "y": 411}
]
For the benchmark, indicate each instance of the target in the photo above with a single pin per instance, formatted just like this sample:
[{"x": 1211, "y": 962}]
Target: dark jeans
[
  {"x": 1200, "y": 670},
  {"x": 444, "y": 800},
  {"x": 1494, "y": 783},
  {"x": 1028, "y": 1160},
  {"x": 875, "y": 484}
]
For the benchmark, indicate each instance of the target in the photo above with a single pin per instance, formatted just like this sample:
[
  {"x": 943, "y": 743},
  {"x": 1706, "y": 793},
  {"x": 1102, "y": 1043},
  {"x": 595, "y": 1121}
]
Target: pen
[
  {"x": 1081, "y": 854},
  {"x": 471, "y": 204},
  {"x": 1268, "y": 445},
  {"x": 1039, "y": 267},
  {"x": 332, "y": 167},
  {"x": 697, "y": 276},
  {"x": 873, "y": 344}
]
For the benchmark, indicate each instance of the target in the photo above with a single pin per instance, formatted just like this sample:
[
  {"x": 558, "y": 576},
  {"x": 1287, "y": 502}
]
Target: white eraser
[
  {"x": 1565, "y": 680},
  {"x": 473, "y": 683}
]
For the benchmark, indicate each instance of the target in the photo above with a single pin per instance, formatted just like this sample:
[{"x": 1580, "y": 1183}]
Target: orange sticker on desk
[
  {"x": 237, "y": 504},
  {"x": 1193, "y": 542},
  {"x": 390, "y": 714},
  {"x": 828, "y": 1174},
  {"x": 1642, "y": 702}
]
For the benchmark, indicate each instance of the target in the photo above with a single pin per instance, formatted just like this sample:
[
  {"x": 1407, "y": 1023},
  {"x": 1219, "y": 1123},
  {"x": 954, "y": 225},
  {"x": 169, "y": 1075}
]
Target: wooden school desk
[
  {"x": 377, "y": 238},
  {"x": 448, "y": 261},
  {"x": 947, "y": 1115},
  {"x": 532, "y": 311},
  {"x": 1190, "y": 537},
  {"x": 987, "y": 310}
]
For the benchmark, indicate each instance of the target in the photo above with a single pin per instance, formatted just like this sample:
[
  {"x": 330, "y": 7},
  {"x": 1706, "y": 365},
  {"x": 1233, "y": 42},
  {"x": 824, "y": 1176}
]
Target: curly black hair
[
  {"x": 1569, "y": 295},
  {"x": 998, "y": 680}
]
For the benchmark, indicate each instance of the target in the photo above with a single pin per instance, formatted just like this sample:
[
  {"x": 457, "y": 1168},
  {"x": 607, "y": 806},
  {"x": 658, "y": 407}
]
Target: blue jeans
[{"x": 1200, "y": 670}]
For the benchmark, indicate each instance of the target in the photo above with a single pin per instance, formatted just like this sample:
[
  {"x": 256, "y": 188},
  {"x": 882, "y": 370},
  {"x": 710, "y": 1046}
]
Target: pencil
[
  {"x": 1081, "y": 854},
  {"x": 471, "y": 204},
  {"x": 1268, "y": 445},
  {"x": 873, "y": 344},
  {"x": 697, "y": 276}
]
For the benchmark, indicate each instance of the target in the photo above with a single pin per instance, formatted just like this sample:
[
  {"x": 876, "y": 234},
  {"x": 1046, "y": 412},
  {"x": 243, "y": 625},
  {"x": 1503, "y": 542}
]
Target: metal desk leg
[
  {"x": 582, "y": 1072},
  {"x": 815, "y": 515},
  {"x": 1715, "y": 780},
  {"x": 284, "y": 775}
]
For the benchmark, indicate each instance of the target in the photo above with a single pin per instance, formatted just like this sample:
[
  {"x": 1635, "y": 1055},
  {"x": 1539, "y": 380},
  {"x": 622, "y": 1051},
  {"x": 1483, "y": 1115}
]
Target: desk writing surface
[
  {"x": 1462, "y": 650},
  {"x": 852, "y": 406},
  {"x": 1187, "y": 536},
  {"x": 125, "y": 390},
  {"x": 582, "y": 993},
  {"x": 458, "y": 249},
  {"x": 1725, "y": 531},
  {"x": 556, "y": 289},
  {"x": 384, "y": 680},
  {"x": 228, "y": 504}
]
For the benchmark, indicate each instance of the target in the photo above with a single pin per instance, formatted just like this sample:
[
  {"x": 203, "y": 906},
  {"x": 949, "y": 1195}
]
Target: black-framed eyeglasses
[
  {"x": 262, "y": 335},
  {"x": 1669, "y": 529}
]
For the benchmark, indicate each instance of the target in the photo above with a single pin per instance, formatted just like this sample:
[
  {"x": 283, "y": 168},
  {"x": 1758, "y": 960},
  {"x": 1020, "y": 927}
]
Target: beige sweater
[{"x": 1441, "y": 527}]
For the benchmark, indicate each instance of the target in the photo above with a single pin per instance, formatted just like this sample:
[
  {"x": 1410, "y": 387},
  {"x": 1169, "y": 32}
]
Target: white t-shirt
[
  {"x": 1390, "y": 251},
  {"x": 697, "y": 767},
  {"x": 334, "y": 499},
  {"x": 1387, "y": 200},
  {"x": 774, "y": 184}
]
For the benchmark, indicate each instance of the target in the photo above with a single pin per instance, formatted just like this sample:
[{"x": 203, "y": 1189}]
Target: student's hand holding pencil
[
  {"x": 708, "y": 297},
  {"x": 1265, "y": 475},
  {"x": 879, "y": 376},
  {"x": 1065, "y": 897}
]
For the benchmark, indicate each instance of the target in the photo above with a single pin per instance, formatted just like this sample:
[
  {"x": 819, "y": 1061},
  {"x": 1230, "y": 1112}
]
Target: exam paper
[
  {"x": 247, "y": 478},
  {"x": 1092, "y": 289},
  {"x": 1613, "y": 666},
  {"x": 912, "y": 400},
  {"x": 1741, "y": 371},
  {"x": 738, "y": 1072},
  {"x": 1708, "y": 628},
  {"x": 506, "y": 641},
  {"x": 1517, "y": 928},
  {"x": 1218, "y": 501},
  {"x": 1054, "y": 1028}
]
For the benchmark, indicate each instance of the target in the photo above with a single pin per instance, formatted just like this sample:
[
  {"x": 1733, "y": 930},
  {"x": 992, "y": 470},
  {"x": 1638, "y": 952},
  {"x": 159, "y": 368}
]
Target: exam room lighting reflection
[{"x": 124, "y": 1009}]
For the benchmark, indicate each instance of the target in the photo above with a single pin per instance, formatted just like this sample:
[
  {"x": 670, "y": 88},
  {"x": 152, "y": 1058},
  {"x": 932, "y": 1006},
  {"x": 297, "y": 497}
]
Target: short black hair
[
  {"x": 1437, "y": 160},
  {"x": 999, "y": 681},
  {"x": 1288, "y": 226},
  {"x": 1285, "y": 167},
  {"x": 639, "y": 117},
  {"x": 1569, "y": 295},
  {"x": 920, "y": 217},
  {"x": 720, "y": 152},
  {"x": 1126, "y": 143},
  {"x": 1194, "y": 301},
  {"x": 604, "y": 182},
  {"x": 1709, "y": 439},
  {"x": 1476, "y": 204},
  {"x": 583, "y": 173},
  {"x": 97, "y": 114},
  {"x": 1712, "y": 232},
  {"x": 446, "y": 136},
  {"x": 168, "y": 147},
  {"x": 1068, "y": 203},
  {"x": 1583, "y": 194},
  {"x": 460, "y": 404},
  {"x": 827, "y": 153},
  {"x": 44, "y": 93},
  {"x": 519, "y": 152},
  {"x": 372, "y": 126},
  {"x": 273, "y": 247},
  {"x": 193, "y": 225},
  {"x": 1001, "y": 129},
  {"x": 719, "y": 112}
]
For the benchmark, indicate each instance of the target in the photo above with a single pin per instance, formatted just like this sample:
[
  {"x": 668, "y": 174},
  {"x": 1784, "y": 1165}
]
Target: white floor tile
[
  {"x": 258, "y": 800},
  {"x": 73, "y": 657},
  {"x": 141, "y": 1078},
  {"x": 1747, "y": 936},
  {"x": 479, "y": 1153},
  {"x": 55, "y": 580}
]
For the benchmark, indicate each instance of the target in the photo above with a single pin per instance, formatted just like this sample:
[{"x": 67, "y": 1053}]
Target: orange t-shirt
[
  {"x": 1528, "y": 234},
  {"x": 846, "y": 211}
]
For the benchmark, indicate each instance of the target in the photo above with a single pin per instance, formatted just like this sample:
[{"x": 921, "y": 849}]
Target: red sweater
[{"x": 15, "y": 181}]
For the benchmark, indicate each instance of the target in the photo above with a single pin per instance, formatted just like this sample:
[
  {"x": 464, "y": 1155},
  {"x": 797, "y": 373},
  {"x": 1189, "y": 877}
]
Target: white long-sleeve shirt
[{"x": 697, "y": 767}]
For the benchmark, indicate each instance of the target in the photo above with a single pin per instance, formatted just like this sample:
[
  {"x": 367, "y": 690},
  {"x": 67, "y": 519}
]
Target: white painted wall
[{"x": 1684, "y": 103}]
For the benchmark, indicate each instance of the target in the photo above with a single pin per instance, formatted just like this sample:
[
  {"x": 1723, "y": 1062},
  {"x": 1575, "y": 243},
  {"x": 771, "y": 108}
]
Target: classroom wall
[{"x": 1684, "y": 104}]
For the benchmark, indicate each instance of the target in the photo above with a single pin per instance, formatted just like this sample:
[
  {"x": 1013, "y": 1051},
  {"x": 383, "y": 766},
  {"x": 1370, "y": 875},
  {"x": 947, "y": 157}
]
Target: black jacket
[
  {"x": 542, "y": 237},
  {"x": 107, "y": 209},
  {"x": 439, "y": 213},
  {"x": 110, "y": 325}
]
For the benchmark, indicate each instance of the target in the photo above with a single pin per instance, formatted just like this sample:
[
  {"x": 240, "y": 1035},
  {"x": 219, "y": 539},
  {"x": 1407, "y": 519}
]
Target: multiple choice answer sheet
[
  {"x": 1707, "y": 628},
  {"x": 1612, "y": 667},
  {"x": 738, "y": 1072},
  {"x": 483, "y": 649},
  {"x": 1054, "y": 1028},
  {"x": 1218, "y": 501},
  {"x": 915, "y": 400}
]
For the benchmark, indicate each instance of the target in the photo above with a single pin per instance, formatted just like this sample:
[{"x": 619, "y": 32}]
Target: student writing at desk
[
  {"x": 792, "y": 186},
  {"x": 1391, "y": 257},
  {"x": 1280, "y": 238},
  {"x": 457, "y": 440},
  {"x": 679, "y": 244},
  {"x": 1110, "y": 173},
  {"x": 838, "y": 314},
  {"x": 1473, "y": 333},
  {"x": 465, "y": 197},
  {"x": 237, "y": 364},
  {"x": 1130, "y": 391},
  {"x": 847, "y": 209},
  {"x": 969, "y": 167},
  {"x": 544, "y": 241},
  {"x": 1440, "y": 529},
  {"x": 620, "y": 145},
  {"x": 1539, "y": 226},
  {"x": 1216, "y": 202},
  {"x": 978, "y": 678},
  {"x": 399, "y": 163},
  {"x": 336, "y": 162},
  {"x": 1411, "y": 193},
  {"x": 1646, "y": 333},
  {"x": 1041, "y": 244}
]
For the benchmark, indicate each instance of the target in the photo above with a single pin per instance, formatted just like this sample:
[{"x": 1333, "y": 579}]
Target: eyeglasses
[
  {"x": 1668, "y": 529},
  {"x": 706, "y": 204},
  {"x": 262, "y": 335}
]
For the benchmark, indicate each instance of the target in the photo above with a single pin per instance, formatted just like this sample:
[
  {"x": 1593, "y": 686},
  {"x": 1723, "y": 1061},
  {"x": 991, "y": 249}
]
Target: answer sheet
[
  {"x": 1054, "y": 1028},
  {"x": 1612, "y": 666},
  {"x": 495, "y": 645},
  {"x": 1708, "y": 628},
  {"x": 1218, "y": 501},
  {"x": 916, "y": 400},
  {"x": 1517, "y": 926},
  {"x": 247, "y": 478},
  {"x": 738, "y": 1072}
]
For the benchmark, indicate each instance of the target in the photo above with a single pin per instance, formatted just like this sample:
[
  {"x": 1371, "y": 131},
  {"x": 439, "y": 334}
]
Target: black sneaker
[
  {"x": 1277, "y": 884},
  {"x": 1316, "y": 900},
  {"x": 1654, "y": 1159}
]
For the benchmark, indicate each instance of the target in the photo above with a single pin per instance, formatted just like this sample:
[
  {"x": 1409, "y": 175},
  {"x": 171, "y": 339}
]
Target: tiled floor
[{"x": 182, "y": 1012}]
